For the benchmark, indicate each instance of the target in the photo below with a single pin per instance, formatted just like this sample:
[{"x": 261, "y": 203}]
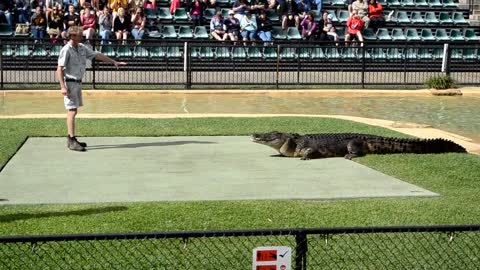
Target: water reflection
[{"x": 458, "y": 114}]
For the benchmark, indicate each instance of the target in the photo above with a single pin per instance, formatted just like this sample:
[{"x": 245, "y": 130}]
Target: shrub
[{"x": 440, "y": 82}]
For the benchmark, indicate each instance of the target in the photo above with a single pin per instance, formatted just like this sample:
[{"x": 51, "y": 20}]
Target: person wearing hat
[
  {"x": 233, "y": 26},
  {"x": 248, "y": 27},
  {"x": 218, "y": 27}
]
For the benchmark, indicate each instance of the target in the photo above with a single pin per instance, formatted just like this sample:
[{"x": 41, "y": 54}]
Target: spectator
[
  {"x": 329, "y": 29},
  {"x": 264, "y": 28},
  {"x": 115, "y": 5},
  {"x": 217, "y": 27},
  {"x": 70, "y": 19},
  {"x": 354, "y": 29},
  {"x": 240, "y": 7},
  {"x": 195, "y": 10},
  {"x": 375, "y": 12},
  {"x": 138, "y": 22},
  {"x": 6, "y": 16},
  {"x": 303, "y": 8},
  {"x": 75, "y": 3},
  {"x": 55, "y": 24},
  {"x": 289, "y": 11},
  {"x": 121, "y": 25},
  {"x": 89, "y": 23},
  {"x": 360, "y": 7},
  {"x": 248, "y": 27},
  {"x": 150, "y": 4},
  {"x": 210, "y": 3},
  {"x": 174, "y": 5},
  {"x": 39, "y": 24},
  {"x": 23, "y": 11},
  {"x": 257, "y": 6},
  {"x": 233, "y": 26},
  {"x": 309, "y": 27},
  {"x": 105, "y": 21}
]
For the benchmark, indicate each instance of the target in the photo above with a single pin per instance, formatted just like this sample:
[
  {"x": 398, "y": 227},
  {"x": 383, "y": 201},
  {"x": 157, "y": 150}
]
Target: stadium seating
[
  {"x": 6, "y": 30},
  {"x": 201, "y": 32}
]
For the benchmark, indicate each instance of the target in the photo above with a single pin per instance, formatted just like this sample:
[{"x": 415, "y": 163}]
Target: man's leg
[{"x": 71, "y": 113}]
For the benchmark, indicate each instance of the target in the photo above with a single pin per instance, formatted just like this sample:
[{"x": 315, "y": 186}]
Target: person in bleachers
[
  {"x": 71, "y": 18},
  {"x": 329, "y": 29},
  {"x": 360, "y": 7},
  {"x": 89, "y": 23},
  {"x": 218, "y": 29},
  {"x": 233, "y": 26},
  {"x": 303, "y": 8},
  {"x": 106, "y": 22},
  {"x": 134, "y": 4},
  {"x": 375, "y": 13},
  {"x": 309, "y": 27},
  {"x": 23, "y": 11},
  {"x": 138, "y": 24},
  {"x": 289, "y": 11},
  {"x": 88, "y": 3},
  {"x": 240, "y": 7},
  {"x": 195, "y": 10},
  {"x": 257, "y": 6},
  {"x": 151, "y": 4},
  {"x": 248, "y": 27},
  {"x": 174, "y": 5},
  {"x": 75, "y": 3},
  {"x": 6, "y": 16},
  {"x": 264, "y": 28},
  {"x": 115, "y": 5},
  {"x": 55, "y": 24},
  {"x": 355, "y": 26},
  {"x": 121, "y": 25},
  {"x": 38, "y": 24}
]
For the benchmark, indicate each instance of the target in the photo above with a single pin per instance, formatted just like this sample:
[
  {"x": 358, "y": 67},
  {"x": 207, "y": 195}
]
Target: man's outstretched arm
[{"x": 107, "y": 59}]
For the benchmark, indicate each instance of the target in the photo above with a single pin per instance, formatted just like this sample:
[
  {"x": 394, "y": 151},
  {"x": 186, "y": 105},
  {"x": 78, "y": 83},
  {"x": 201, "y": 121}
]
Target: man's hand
[
  {"x": 118, "y": 64},
  {"x": 64, "y": 91}
]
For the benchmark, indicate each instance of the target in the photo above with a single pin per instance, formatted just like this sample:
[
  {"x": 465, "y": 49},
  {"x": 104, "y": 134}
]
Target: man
[
  {"x": 360, "y": 7},
  {"x": 70, "y": 70}
]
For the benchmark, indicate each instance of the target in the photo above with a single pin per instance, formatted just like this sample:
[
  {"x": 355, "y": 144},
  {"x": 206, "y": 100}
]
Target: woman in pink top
[
  {"x": 89, "y": 23},
  {"x": 196, "y": 11},
  {"x": 174, "y": 5}
]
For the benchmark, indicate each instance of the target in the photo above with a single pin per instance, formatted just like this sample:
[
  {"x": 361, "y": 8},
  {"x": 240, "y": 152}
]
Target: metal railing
[
  {"x": 155, "y": 65},
  {"x": 412, "y": 247}
]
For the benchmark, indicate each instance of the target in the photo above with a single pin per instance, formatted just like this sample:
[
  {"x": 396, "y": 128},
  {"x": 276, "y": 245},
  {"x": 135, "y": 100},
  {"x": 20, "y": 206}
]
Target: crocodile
[{"x": 349, "y": 145}]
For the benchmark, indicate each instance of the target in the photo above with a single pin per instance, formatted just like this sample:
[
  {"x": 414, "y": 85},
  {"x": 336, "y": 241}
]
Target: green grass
[{"x": 454, "y": 176}]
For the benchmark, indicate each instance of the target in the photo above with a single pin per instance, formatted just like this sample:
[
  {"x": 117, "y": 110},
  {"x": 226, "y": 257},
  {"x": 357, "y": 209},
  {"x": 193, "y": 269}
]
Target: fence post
[
  {"x": 405, "y": 50},
  {"x": 301, "y": 251},
  {"x": 446, "y": 59},
  {"x": 363, "y": 65},
  {"x": 186, "y": 65},
  {"x": 278, "y": 65},
  {"x": 93, "y": 68},
  {"x": 1, "y": 65}
]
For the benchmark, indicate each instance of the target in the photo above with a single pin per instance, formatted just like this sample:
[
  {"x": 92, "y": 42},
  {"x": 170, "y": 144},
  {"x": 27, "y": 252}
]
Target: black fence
[
  {"x": 434, "y": 247},
  {"x": 189, "y": 64}
]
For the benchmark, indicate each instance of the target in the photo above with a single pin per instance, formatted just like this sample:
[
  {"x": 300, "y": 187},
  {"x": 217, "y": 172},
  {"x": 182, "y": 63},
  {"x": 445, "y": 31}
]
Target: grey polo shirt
[{"x": 74, "y": 60}]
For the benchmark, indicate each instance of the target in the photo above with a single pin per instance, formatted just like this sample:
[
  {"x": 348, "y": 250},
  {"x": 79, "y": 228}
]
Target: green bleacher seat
[
  {"x": 185, "y": 32},
  {"x": 304, "y": 53},
  {"x": 174, "y": 52},
  {"x": 416, "y": 17},
  {"x": 157, "y": 52},
  {"x": 470, "y": 35},
  {"x": 334, "y": 14},
  {"x": 441, "y": 35},
  {"x": 6, "y": 30},
  {"x": 421, "y": 3},
  {"x": 317, "y": 53},
  {"x": 398, "y": 35},
  {"x": 270, "y": 53},
  {"x": 163, "y": 13},
  {"x": 7, "y": 50},
  {"x": 201, "y": 32},
  {"x": 431, "y": 18},
  {"x": 383, "y": 34},
  {"x": 435, "y": 3},
  {"x": 55, "y": 50},
  {"x": 393, "y": 3},
  {"x": 408, "y": 3},
  {"x": 378, "y": 54},
  {"x": 206, "y": 53},
  {"x": 224, "y": 3},
  {"x": 470, "y": 54},
  {"x": 332, "y": 53},
  {"x": 411, "y": 53},
  {"x": 222, "y": 52},
  {"x": 459, "y": 19},
  {"x": 150, "y": 13},
  {"x": 140, "y": 52},
  {"x": 293, "y": 33},
  {"x": 456, "y": 35},
  {"x": 424, "y": 53},
  {"x": 194, "y": 53},
  {"x": 427, "y": 35},
  {"x": 278, "y": 33},
  {"x": 337, "y": 3},
  {"x": 349, "y": 53},
  {"x": 412, "y": 34},
  {"x": 124, "y": 51},
  {"x": 208, "y": 14},
  {"x": 272, "y": 15},
  {"x": 168, "y": 31},
  {"x": 449, "y": 4},
  {"x": 444, "y": 18},
  {"x": 254, "y": 53},
  {"x": 108, "y": 50},
  {"x": 288, "y": 53},
  {"x": 368, "y": 34},
  {"x": 402, "y": 17},
  {"x": 39, "y": 51},
  {"x": 437, "y": 53},
  {"x": 180, "y": 15},
  {"x": 394, "y": 54},
  {"x": 155, "y": 32},
  {"x": 456, "y": 54},
  {"x": 239, "y": 53},
  {"x": 343, "y": 16}
]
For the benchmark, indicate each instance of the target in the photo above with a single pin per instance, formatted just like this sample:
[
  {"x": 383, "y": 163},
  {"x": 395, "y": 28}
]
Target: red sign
[{"x": 266, "y": 255}]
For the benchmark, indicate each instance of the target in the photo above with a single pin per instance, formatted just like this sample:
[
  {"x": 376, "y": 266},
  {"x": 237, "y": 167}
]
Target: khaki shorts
[{"x": 73, "y": 99}]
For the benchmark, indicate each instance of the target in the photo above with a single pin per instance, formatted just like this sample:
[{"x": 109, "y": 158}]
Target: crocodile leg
[{"x": 355, "y": 149}]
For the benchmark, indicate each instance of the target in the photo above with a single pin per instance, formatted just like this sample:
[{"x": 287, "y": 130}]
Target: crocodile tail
[
  {"x": 442, "y": 146},
  {"x": 418, "y": 146}
]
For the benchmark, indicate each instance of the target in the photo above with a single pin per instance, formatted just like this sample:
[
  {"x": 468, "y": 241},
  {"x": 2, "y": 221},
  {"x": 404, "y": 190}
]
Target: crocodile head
[{"x": 273, "y": 139}]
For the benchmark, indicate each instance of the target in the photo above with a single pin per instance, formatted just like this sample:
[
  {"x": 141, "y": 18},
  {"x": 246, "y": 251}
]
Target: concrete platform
[{"x": 130, "y": 169}]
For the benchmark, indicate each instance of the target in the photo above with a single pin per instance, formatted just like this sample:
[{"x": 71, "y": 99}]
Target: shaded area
[{"x": 150, "y": 144}]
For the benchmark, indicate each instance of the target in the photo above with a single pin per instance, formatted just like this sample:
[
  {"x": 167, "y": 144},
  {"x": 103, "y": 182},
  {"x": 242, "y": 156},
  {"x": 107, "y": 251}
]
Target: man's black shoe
[
  {"x": 81, "y": 143},
  {"x": 70, "y": 139},
  {"x": 72, "y": 144}
]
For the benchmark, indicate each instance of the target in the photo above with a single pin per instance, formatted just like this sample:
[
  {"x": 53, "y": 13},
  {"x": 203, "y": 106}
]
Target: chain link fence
[{"x": 437, "y": 247}]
